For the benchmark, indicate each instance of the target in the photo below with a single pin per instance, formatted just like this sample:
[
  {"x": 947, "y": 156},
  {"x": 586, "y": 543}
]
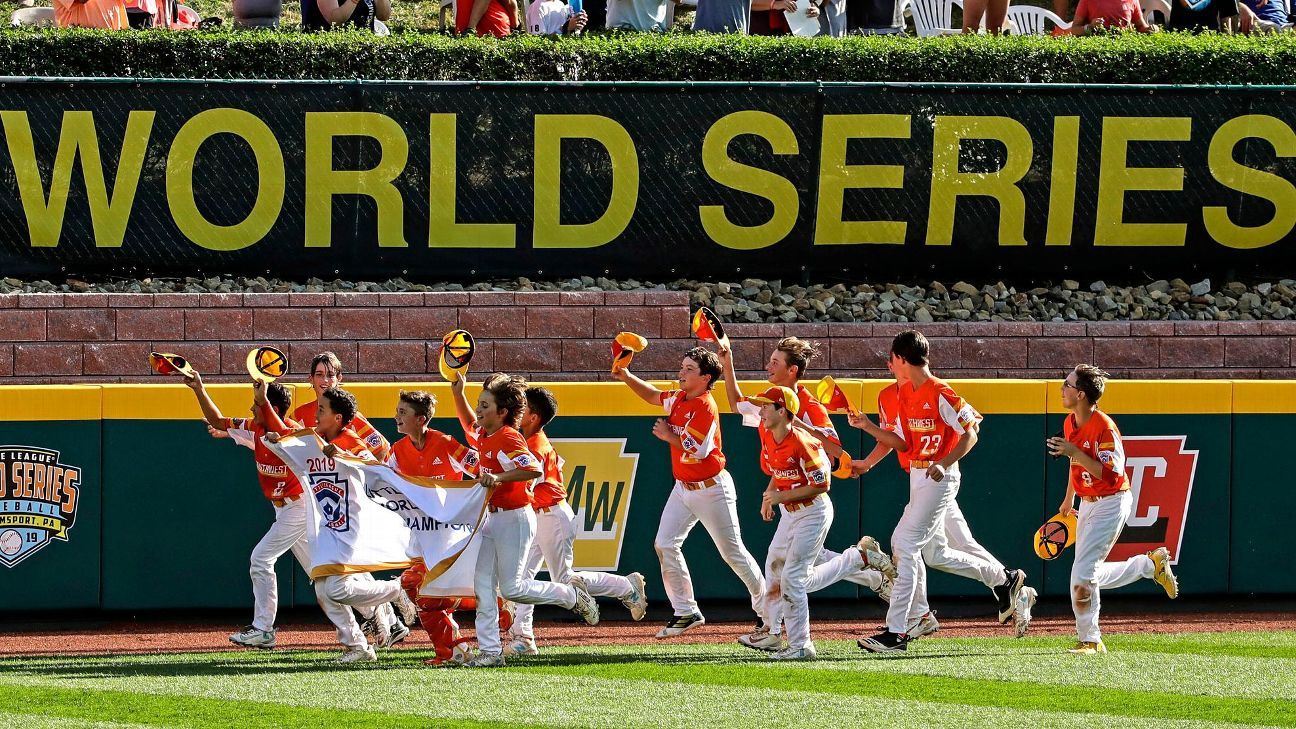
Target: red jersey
[
  {"x": 1101, "y": 440},
  {"x": 933, "y": 417},
  {"x": 697, "y": 422},
  {"x": 497, "y": 21},
  {"x": 501, "y": 452},
  {"x": 549, "y": 490},
  {"x": 442, "y": 457},
  {"x": 308, "y": 415},
  {"x": 277, "y": 481},
  {"x": 798, "y": 461},
  {"x": 889, "y": 417}
]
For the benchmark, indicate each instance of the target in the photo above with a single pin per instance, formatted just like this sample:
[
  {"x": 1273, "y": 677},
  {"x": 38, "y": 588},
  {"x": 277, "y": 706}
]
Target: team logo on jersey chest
[
  {"x": 1161, "y": 472},
  {"x": 38, "y": 501}
]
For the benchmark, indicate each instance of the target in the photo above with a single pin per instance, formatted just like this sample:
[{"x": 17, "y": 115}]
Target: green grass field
[{"x": 1146, "y": 681}]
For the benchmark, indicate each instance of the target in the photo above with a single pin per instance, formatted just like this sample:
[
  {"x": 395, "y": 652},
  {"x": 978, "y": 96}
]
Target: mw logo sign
[
  {"x": 1161, "y": 471},
  {"x": 600, "y": 481}
]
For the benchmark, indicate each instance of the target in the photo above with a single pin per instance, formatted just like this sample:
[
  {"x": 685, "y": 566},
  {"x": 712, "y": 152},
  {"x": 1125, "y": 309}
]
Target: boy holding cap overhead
[{"x": 800, "y": 474}]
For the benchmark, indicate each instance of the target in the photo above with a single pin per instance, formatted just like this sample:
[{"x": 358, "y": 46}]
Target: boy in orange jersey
[
  {"x": 703, "y": 491},
  {"x": 284, "y": 492},
  {"x": 337, "y": 408},
  {"x": 1092, "y": 442},
  {"x": 800, "y": 475},
  {"x": 939, "y": 428},
  {"x": 556, "y": 530},
  {"x": 326, "y": 372},
  {"x": 428, "y": 453},
  {"x": 786, "y": 366},
  {"x": 508, "y": 469},
  {"x": 955, "y": 538}
]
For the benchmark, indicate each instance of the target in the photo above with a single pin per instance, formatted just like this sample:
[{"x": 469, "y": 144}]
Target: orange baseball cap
[{"x": 778, "y": 395}]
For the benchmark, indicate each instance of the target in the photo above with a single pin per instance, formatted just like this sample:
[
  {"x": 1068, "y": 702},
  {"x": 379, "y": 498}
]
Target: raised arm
[
  {"x": 645, "y": 391},
  {"x": 730, "y": 377},
  {"x": 463, "y": 409},
  {"x": 211, "y": 413}
]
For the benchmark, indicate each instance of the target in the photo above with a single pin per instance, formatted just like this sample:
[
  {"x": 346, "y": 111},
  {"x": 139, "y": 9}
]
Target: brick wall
[{"x": 70, "y": 338}]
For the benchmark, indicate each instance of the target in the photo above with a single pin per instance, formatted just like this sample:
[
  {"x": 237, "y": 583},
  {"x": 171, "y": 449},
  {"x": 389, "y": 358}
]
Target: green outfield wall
[{"x": 115, "y": 497}]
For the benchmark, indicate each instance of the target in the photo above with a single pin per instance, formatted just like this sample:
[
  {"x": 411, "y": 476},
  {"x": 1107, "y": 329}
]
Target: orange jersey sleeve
[
  {"x": 813, "y": 413},
  {"x": 696, "y": 421},
  {"x": 549, "y": 490},
  {"x": 374, "y": 441}
]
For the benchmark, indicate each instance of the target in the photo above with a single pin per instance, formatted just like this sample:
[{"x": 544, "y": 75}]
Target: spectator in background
[
  {"x": 723, "y": 16},
  {"x": 110, "y": 14},
  {"x": 554, "y": 17},
  {"x": 326, "y": 14},
  {"x": 1199, "y": 15},
  {"x": 874, "y": 17},
  {"x": 992, "y": 14},
  {"x": 1259, "y": 16},
  {"x": 640, "y": 14},
  {"x": 767, "y": 17},
  {"x": 832, "y": 18},
  {"x": 1091, "y": 15},
  {"x": 486, "y": 17}
]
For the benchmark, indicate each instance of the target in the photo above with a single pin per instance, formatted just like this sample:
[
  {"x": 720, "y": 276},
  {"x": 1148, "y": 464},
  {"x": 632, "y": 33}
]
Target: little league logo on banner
[
  {"x": 600, "y": 480},
  {"x": 1161, "y": 472},
  {"x": 38, "y": 500}
]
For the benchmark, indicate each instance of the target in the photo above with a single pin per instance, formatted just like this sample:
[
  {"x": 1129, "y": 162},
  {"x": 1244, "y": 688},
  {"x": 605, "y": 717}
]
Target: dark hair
[
  {"x": 708, "y": 363},
  {"x": 279, "y": 397},
  {"x": 1091, "y": 381},
  {"x": 326, "y": 358},
  {"x": 509, "y": 392},
  {"x": 541, "y": 401},
  {"x": 422, "y": 403},
  {"x": 341, "y": 402},
  {"x": 911, "y": 346},
  {"x": 799, "y": 352}
]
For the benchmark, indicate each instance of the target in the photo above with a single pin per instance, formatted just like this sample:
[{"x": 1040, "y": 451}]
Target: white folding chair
[
  {"x": 932, "y": 17},
  {"x": 1031, "y": 20},
  {"x": 33, "y": 17},
  {"x": 1155, "y": 6},
  {"x": 441, "y": 13}
]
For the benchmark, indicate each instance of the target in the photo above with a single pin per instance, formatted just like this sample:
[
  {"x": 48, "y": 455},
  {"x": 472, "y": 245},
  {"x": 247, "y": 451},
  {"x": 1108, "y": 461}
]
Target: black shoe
[
  {"x": 1005, "y": 593},
  {"x": 884, "y": 642},
  {"x": 679, "y": 624}
]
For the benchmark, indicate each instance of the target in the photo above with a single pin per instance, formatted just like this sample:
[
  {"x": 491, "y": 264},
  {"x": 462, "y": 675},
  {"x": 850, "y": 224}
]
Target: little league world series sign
[
  {"x": 38, "y": 501},
  {"x": 370, "y": 179}
]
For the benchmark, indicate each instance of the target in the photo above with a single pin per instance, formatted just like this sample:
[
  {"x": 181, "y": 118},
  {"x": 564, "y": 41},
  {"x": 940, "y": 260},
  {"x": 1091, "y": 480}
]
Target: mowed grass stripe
[
  {"x": 870, "y": 678},
  {"x": 189, "y": 711}
]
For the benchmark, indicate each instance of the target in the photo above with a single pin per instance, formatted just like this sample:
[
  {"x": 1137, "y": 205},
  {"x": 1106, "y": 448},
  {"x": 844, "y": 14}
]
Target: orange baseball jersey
[
  {"x": 814, "y": 414},
  {"x": 697, "y": 423},
  {"x": 277, "y": 482},
  {"x": 351, "y": 442},
  {"x": 442, "y": 457},
  {"x": 1101, "y": 440},
  {"x": 308, "y": 415},
  {"x": 797, "y": 461},
  {"x": 501, "y": 452},
  {"x": 550, "y": 489},
  {"x": 933, "y": 416},
  {"x": 889, "y": 417}
]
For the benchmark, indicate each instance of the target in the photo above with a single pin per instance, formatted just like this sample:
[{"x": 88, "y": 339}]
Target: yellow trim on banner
[
  {"x": 1156, "y": 397},
  {"x": 329, "y": 570},
  {"x": 1264, "y": 396},
  {"x": 22, "y": 403}
]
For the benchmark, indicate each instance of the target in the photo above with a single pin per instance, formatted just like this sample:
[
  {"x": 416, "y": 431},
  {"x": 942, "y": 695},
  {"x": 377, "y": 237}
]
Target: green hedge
[{"x": 1121, "y": 58}]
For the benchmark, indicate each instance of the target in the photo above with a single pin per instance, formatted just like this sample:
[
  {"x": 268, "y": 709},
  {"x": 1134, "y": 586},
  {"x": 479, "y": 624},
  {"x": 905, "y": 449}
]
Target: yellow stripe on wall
[
  {"x": 49, "y": 402},
  {"x": 1264, "y": 396},
  {"x": 1157, "y": 397},
  {"x": 172, "y": 401}
]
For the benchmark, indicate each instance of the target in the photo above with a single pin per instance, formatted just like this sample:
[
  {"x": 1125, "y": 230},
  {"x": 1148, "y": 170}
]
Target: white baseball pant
[
  {"x": 501, "y": 562},
  {"x": 556, "y": 531},
  {"x": 792, "y": 572},
  {"x": 288, "y": 532},
  {"x": 922, "y": 520},
  {"x": 956, "y": 551},
  {"x": 1098, "y": 527},
  {"x": 360, "y": 591},
  {"x": 716, "y": 508}
]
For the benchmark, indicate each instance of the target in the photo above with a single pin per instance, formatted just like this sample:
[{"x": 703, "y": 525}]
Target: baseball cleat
[
  {"x": 398, "y": 632},
  {"x": 1022, "y": 614},
  {"x": 796, "y": 654},
  {"x": 1006, "y": 594},
  {"x": 521, "y": 646},
  {"x": 507, "y": 611},
  {"x": 252, "y": 637},
  {"x": 763, "y": 640},
  {"x": 1164, "y": 576},
  {"x": 462, "y": 653},
  {"x": 875, "y": 557},
  {"x": 884, "y": 642},
  {"x": 384, "y": 620},
  {"x": 486, "y": 660},
  {"x": 884, "y": 590},
  {"x": 406, "y": 609},
  {"x": 637, "y": 601},
  {"x": 926, "y": 625},
  {"x": 1088, "y": 648},
  {"x": 358, "y": 655},
  {"x": 585, "y": 606},
  {"x": 679, "y": 624}
]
